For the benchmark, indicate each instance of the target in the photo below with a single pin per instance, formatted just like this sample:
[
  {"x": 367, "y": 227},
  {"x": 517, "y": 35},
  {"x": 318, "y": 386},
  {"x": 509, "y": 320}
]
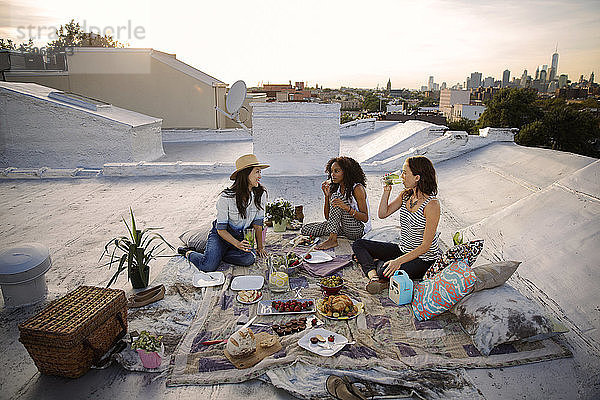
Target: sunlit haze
[{"x": 337, "y": 43}]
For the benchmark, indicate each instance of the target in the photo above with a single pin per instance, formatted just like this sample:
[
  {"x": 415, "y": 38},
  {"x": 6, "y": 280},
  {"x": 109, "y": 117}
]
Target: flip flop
[
  {"x": 342, "y": 389},
  {"x": 148, "y": 298}
]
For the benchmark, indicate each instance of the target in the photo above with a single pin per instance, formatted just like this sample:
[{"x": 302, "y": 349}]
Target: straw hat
[{"x": 245, "y": 161}]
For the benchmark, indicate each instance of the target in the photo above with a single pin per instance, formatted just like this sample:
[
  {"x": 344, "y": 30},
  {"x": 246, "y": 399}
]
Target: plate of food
[
  {"x": 323, "y": 342},
  {"x": 249, "y": 296},
  {"x": 282, "y": 307},
  {"x": 339, "y": 307},
  {"x": 304, "y": 240},
  {"x": 317, "y": 256}
]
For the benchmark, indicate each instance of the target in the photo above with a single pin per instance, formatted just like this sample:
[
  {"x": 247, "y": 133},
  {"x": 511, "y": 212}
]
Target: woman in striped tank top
[{"x": 419, "y": 217}]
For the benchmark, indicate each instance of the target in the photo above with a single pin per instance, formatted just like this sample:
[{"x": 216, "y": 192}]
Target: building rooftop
[{"x": 533, "y": 205}]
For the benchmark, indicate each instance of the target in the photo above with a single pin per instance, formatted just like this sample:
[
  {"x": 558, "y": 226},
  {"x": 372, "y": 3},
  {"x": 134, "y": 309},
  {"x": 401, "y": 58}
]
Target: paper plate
[
  {"x": 247, "y": 282},
  {"x": 318, "y": 256},
  {"x": 323, "y": 349},
  {"x": 200, "y": 280},
  {"x": 249, "y": 302}
]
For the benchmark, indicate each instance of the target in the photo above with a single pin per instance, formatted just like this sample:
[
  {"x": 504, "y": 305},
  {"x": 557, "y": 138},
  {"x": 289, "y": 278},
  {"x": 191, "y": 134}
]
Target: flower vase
[
  {"x": 151, "y": 359},
  {"x": 280, "y": 226}
]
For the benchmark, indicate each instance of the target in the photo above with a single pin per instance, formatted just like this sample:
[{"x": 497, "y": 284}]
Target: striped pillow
[{"x": 438, "y": 294}]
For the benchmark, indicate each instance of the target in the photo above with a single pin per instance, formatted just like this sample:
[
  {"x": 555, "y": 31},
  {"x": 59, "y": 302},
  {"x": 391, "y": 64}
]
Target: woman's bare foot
[{"x": 328, "y": 244}]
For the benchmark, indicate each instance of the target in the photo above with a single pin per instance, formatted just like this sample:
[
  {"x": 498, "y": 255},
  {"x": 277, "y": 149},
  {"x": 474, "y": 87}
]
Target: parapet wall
[
  {"x": 36, "y": 131},
  {"x": 296, "y": 139}
]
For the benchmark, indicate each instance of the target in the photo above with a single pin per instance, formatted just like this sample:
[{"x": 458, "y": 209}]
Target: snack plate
[
  {"x": 264, "y": 308},
  {"x": 318, "y": 256},
  {"x": 247, "y": 282},
  {"x": 359, "y": 304},
  {"x": 338, "y": 344},
  {"x": 250, "y": 302},
  {"x": 200, "y": 280}
]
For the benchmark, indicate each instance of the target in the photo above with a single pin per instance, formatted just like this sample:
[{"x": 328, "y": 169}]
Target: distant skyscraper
[
  {"x": 537, "y": 73},
  {"x": 505, "y": 78},
  {"x": 444, "y": 85},
  {"x": 430, "y": 83},
  {"x": 524, "y": 79},
  {"x": 592, "y": 78},
  {"x": 475, "y": 80},
  {"x": 488, "y": 82},
  {"x": 562, "y": 80},
  {"x": 543, "y": 75},
  {"x": 554, "y": 67},
  {"x": 389, "y": 85}
]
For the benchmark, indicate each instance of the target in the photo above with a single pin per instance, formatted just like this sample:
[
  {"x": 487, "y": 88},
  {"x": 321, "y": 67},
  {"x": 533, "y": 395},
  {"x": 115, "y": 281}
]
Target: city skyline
[{"x": 336, "y": 43}]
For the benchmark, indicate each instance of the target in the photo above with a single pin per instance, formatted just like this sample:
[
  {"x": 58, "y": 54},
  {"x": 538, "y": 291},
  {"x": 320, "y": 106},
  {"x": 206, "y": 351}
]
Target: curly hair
[{"x": 353, "y": 174}]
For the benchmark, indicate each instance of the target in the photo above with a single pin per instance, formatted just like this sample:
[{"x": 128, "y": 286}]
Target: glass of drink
[
  {"x": 249, "y": 236},
  {"x": 392, "y": 178}
]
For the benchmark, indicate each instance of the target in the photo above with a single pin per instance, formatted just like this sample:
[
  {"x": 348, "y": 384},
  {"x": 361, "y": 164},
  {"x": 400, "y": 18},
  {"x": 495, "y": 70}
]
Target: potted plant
[
  {"x": 134, "y": 252},
  {"x": 280, "y": 212},
  {"x": 150, "y": 349}
]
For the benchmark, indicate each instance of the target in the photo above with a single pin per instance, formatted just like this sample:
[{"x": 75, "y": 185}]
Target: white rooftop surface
[
  {"x": 113, "y": 113},
  {"x": 538, "y": 206}
]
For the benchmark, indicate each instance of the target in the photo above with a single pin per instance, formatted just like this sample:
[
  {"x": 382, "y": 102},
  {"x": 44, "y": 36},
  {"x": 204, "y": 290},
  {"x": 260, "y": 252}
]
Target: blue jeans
[{"x": 217, "y": 249}]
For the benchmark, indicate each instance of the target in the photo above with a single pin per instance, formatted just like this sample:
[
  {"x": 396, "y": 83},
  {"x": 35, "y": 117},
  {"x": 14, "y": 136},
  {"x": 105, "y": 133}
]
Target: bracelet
[{"x": 354, "y": 214}]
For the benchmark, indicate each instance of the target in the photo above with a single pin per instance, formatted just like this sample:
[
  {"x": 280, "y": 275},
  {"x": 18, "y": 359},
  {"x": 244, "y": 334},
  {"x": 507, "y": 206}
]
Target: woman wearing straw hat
[{"x": 239, "y": 207}]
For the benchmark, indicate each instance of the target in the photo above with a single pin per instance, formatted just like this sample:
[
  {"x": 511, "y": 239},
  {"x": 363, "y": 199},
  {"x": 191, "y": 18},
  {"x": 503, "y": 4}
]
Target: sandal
[
  {"x": 148, "y": 297},
  {"x": 342, "y": 389}
]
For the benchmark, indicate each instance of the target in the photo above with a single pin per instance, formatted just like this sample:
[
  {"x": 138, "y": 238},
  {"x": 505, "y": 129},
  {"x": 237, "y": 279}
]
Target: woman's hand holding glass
[{"x": 244, "y": 245}]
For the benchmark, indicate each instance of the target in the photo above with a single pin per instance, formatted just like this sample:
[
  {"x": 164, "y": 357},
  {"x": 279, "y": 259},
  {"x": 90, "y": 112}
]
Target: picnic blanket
[{"x": 387, "y": 336}]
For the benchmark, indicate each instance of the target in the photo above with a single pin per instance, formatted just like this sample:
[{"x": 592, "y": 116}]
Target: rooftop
[{"x": 533, "y": 205}]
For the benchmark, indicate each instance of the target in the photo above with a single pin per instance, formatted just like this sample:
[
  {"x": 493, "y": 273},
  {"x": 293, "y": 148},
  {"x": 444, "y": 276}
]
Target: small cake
[{"x": 242, "y": 343}]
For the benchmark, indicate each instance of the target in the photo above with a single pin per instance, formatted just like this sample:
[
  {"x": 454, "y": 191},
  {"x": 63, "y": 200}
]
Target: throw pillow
[
  {"x": 500, "y": 315},
  {"x": 466, "y": 251},
  {"x": 494, "y": 274},
  {"x": 434, "y": 296},
  {"x": 196, "y": 238}
]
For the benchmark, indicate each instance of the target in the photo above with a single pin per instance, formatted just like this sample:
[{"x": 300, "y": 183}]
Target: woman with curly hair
[
  {"x": 346, "y": 205},
  {"x": 419, "y": 216}
]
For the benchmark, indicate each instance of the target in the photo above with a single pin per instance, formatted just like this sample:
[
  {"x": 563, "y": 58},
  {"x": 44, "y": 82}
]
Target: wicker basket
[{"x": 74, "y": 332}]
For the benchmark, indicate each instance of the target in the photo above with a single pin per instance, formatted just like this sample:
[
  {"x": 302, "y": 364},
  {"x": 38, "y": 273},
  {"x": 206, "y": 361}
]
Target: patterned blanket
[{"x": 387, "y": 336}]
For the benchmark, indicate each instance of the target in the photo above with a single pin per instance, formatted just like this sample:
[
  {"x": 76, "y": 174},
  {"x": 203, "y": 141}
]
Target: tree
[
  {"x": 511, "y": 108},
  {"x": 463, "y": 125},
  {"x": 72, "y": 35},
  {"x": 372, "y": 103},
  {"x": 563, "y": 127}
]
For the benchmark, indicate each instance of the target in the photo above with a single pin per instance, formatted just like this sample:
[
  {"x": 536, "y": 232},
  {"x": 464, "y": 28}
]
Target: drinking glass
[{"x": 249, "y": 236}]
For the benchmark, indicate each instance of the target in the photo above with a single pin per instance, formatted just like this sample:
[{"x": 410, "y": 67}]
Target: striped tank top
[{"x": 413, "y": 228}]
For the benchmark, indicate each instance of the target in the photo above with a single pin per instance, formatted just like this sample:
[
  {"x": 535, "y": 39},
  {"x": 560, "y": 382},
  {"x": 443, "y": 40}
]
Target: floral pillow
[
  {"x": 432, "y": 297},
  {"x": 467, "y": 252}
]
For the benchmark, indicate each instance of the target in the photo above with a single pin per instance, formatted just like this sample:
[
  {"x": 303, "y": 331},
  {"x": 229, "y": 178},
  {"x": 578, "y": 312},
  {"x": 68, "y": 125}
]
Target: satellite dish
[
  {"x": 233, "y": 103},
  {"x": 236, "y": 97}
]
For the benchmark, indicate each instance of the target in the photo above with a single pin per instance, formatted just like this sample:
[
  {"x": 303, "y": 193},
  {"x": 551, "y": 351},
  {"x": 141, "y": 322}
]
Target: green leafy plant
[
  {"x": 134, "y": 252},
  {"x": 279, "y": 210},
  {"x": 148, "y": 342}
]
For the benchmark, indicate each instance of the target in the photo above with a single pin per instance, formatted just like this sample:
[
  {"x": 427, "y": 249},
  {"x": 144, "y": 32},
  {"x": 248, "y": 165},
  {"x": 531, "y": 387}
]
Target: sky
[{"x": 336, "y": 43}]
